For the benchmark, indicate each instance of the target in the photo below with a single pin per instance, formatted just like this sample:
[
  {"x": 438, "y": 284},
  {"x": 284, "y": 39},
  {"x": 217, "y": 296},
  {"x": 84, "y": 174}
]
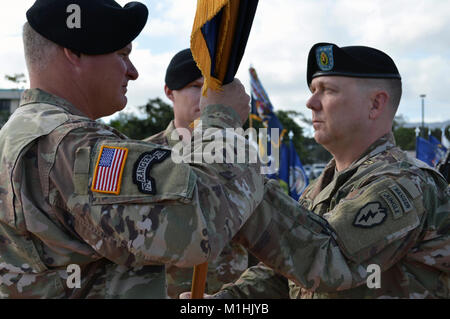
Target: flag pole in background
[{"x": 219, "y": 36}]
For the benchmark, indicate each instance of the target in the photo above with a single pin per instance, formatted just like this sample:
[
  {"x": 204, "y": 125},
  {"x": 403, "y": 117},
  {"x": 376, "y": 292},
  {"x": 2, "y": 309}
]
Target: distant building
[
  {"x": 9, "y": 99},
  {"x": 9, "y": 102}
]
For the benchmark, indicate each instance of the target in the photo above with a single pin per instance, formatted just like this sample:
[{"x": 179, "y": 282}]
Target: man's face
[
  {"x": 106, "y": 78},
  {"x": 186, "y": 102},
  {"x": 340, "y": 109}
]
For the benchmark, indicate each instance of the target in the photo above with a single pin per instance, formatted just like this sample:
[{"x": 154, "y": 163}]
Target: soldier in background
[
  {"x": 183, "y": 85},
  {"x": 381, "y": 220},
  {"x": 78, "y": 194}
]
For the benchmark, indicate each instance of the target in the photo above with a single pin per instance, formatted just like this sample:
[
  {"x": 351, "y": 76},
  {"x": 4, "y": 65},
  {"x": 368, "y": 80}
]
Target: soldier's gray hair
[
  {"x": 392, "y": 86},
  {"x": 39, "y": 51}
]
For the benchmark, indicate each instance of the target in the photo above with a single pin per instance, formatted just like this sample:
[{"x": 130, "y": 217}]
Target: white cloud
[{"x": 413, "y": 32}]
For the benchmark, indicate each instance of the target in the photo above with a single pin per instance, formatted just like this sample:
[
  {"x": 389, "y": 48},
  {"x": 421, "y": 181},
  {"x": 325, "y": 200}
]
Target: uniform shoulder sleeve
[
  {"x": 134, "y": 205},
  {"x": 375, "y": 215}
]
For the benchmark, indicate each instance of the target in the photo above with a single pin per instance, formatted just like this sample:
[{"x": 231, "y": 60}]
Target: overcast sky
[{"x": 415, "y": 33}]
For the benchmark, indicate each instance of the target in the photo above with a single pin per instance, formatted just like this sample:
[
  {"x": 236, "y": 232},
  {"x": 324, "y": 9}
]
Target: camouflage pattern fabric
[
  {"x": 50, "y": 218},
  {"x": 228, "y": 266},
  {"x": 385, "y": 209}
]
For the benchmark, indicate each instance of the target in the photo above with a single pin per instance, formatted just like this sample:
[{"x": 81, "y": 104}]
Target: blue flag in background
[
  {"x": 262, "y": 110},
  {"x": 440, "y": 149},
  {"x": 426, "y": 151},
  {"x": 291, "y": 175},
  {"x": 283, "y": 172},
  {"x": 298, "y": 180}
]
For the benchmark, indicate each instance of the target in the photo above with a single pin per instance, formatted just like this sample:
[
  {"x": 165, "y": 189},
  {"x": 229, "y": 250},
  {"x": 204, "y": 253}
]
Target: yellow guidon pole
[
  {"x": 199, "y": 281},
  {"x": 206, "y": 10},
  {"x": 226, "y": 43}
]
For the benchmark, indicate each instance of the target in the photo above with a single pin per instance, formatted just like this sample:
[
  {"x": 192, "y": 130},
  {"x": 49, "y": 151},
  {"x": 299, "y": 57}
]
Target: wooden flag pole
[{"x": 199, "y": 281}]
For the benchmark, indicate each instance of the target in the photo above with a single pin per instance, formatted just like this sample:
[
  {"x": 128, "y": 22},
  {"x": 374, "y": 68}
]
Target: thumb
[{"x": 185, "y": 295}]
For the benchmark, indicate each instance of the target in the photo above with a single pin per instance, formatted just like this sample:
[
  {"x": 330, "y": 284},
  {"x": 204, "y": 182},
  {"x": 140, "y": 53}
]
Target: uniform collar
[
  {"x": 330, "y": 177},
  {"x": 172, "y": 135},
  {"x": 384, "y": 143},
  {"x": 40, "y": 96}
]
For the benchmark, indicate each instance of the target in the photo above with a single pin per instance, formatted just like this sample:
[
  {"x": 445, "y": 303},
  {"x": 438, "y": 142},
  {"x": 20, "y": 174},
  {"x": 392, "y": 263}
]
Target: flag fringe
[{"x": 206, "y": 10}]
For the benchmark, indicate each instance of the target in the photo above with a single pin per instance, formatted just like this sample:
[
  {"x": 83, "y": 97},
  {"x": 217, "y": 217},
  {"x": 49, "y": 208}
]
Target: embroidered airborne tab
[
  {"x": 142, "y": 167},
  {"x": 109, "y": 169},
  {"x": 401, "y": 196}
]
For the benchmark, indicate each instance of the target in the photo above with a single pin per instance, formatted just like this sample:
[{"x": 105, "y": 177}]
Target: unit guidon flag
[{"x": 109, "y": 169}]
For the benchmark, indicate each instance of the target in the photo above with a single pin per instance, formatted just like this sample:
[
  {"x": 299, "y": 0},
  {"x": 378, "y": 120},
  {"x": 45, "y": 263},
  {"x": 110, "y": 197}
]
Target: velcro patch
[
  {"x": 401, "y": 196},
  {"x": 371, "y": 215},
  {"x": 142, "y": 167},
  {"x": 364, "y": 224},
  {"x": 393, "y": 204},
  {"x": 108, "y": 170}
]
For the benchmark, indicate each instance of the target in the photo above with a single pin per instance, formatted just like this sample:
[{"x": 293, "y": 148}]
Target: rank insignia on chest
[
  {"x": 108, "y": 170},
  {"x": 142, "y": 167}
]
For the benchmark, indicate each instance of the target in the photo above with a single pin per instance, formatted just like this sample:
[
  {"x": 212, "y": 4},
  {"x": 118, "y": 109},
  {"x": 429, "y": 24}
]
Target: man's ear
[
  {"x": 169, "y": 93},
  {"x": 379, "y": 102},
  {"x": 73, "y": 57}
]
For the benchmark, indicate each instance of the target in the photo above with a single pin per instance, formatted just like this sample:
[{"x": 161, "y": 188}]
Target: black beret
[
  {"x": 182, "y": 70},
  {"x": 353, "y": 61},
  {"x": 104, "y": 25}
]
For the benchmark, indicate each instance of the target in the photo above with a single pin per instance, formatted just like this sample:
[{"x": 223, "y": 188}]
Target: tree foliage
[
  {"x": 405, "y": 138},
  {"x": 157, "y": 115}
]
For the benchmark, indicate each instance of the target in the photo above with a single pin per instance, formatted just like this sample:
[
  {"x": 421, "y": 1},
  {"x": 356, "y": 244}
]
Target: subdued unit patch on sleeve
[
  {"x": 371, "y": 215},
  {"x": 142, "y": 167},
  {"x": 372, "y": 220}
]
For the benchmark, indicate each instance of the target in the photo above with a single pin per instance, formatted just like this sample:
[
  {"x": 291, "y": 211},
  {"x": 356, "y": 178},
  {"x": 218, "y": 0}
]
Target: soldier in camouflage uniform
[
  {"x": 78, "y": 194},
  {"x": 381, "y": 220},
  {"x": 183, "y": 83}
]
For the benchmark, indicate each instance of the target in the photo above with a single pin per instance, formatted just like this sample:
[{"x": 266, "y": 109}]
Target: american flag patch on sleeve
[{"x": 109, "y": 169}]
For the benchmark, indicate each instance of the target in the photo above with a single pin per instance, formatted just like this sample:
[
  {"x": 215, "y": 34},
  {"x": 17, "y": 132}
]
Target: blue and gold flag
[
  {"x": 262, "y": 111},
  {"x": 219, "y": 37},
  {"x": 298, "y": 180}
]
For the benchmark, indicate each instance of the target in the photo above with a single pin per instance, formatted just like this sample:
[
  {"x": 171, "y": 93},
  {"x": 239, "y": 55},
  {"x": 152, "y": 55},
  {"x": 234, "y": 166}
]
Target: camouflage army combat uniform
[
  {"x": 53, "y": 215},
  {"x": 385, "y": 209},
  {"x": 230, "y": 264}
]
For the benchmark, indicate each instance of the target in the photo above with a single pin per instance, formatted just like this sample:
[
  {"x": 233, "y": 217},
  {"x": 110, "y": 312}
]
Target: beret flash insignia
[{"x": 324, "y": 57}]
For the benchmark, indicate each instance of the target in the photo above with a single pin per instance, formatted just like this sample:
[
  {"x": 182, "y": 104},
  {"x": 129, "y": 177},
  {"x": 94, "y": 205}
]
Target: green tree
[
  {"x": 287, "y": 120},
  {"x": 17, "y": 78},
  {"x": 157, "y": 115},
  {"x": 4, "y": 116},
  {"x": 405, "y": 138}
]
